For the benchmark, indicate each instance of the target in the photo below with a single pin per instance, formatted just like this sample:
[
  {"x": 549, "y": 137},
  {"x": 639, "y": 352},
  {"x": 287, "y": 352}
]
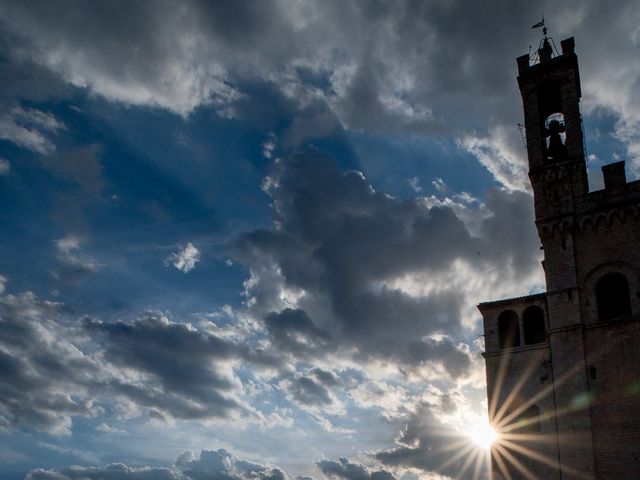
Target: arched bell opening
[
  {"x": 508, "y": 329},
  {"x": 555, "y": 139},
  {"x": 533, "y": 325}
]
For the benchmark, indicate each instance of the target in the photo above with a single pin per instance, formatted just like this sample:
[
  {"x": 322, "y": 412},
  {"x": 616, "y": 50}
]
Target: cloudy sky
[{"x": 245, "y": 240}]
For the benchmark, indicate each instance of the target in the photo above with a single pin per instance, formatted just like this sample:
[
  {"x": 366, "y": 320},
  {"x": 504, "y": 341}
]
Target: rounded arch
[
  {"x": 615, "y": 215},
  {"x": 555, "y": 137},
  {"x": 600, "y": 222},
  {"x": 533, "y": 325},
  {"x": 612, "y": 296},
  {"x": 508, "y": 329},
  {"x": 587, "y": 224},
  {"x": 593, "y": 276}
]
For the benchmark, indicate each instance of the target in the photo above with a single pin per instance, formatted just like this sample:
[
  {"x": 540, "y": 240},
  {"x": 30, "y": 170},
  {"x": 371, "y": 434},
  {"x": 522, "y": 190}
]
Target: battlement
[
  {"x": 616, "y": 189},
  {"x": 545, "y": 55}
]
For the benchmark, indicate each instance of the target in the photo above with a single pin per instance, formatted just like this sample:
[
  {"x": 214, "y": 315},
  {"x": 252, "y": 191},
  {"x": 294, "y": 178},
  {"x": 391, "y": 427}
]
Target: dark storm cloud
[
  {"x": 314, "y": 390},
  {"x": 293, "y": 331},
  {"x": 116, "y": 471},
  {"x": 179, "y": 360},
  {"x": 426, "y": 444},
  {"x": 181, "y": 365},
  {"x": 210, "y": 465},
  {"x": 343, "y": 469},
  {"x": 44, "y": 379},
  {"x": 54, "y": 368},
  {"x": 343, "y": 244},
  {"x": 418, "y": 352},
  {"x": 307, "y": 391},
  {"x": 408, "y": 66},
  {"x": 325, "y": 377}
]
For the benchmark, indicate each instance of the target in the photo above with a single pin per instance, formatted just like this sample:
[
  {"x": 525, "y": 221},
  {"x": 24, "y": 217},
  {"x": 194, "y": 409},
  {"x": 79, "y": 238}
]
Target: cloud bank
[
  {"x": 209, "y": 465},
  {"x": 348, "y": 267},
  {"x": 404, "y": 68}
]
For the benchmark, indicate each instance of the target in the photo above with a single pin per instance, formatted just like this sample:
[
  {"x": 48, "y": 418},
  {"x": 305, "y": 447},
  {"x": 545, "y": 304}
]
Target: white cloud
[
  {"x": 106, "y": 428},
  {"x": 268, "y": 146},
  {"x": 5, "y": 166},
  {"x": 184, "y": 259},
  {"x": 26, "y": 127},
  {"x": 440, "y": 185},
  {"x": 374, "y": 393},
  {"x": 503, "y": 154},
  {"x": 414, "y": 183},
  {"x": 188, "y": 466},
  {"x": 69, "y": 253},
  {"x": 3, "y": 284},
  {"x": 38, "y": 118}
]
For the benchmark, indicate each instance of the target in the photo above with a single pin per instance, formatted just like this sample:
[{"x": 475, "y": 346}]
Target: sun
[{"x": 483, "y": 434}]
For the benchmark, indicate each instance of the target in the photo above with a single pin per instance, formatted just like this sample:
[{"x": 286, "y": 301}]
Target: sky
[{"x": 245, "y": 240}]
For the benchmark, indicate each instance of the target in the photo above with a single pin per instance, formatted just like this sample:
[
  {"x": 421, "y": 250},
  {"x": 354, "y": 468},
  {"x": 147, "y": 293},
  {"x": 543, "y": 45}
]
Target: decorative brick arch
[
  {"x": 612, "y": 296},
  {"x": 590, "y": 285}
]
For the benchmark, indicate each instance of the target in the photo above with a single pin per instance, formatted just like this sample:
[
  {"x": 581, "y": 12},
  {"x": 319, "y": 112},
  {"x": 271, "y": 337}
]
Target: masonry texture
[{"x": 563, "y": 366}]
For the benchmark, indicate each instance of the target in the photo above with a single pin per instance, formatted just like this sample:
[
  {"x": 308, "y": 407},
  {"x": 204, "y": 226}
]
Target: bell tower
[
  {"x": 551, "y": 94},
  {"x": 563, "y": 365},
  {"x": 555, "y": 145}
]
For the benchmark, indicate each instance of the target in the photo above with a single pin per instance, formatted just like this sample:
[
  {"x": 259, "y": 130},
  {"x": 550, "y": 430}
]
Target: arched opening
[
  {"x": 533, "y": 325},
  {"x": 612, "y": 296},
  {"x": 553, "y": 121},
  {"x": 508, "y": 329},
  {"x": 555, "y": 137}
]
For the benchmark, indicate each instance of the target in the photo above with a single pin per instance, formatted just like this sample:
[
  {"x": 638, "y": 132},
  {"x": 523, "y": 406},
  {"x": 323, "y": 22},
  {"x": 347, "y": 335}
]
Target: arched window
[
  {"x": 555, "y": 137},
  {"x": 533, "y": 325},
  {"x": 612, "y": 296},
  {"x": 508, "y": 329},
  {"x": 553, "y": 121},
  {"x": 529, "y": 420}
]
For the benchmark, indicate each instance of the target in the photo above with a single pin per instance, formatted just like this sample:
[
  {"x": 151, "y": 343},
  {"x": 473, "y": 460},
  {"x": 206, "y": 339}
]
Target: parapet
[
  {"x": 614, "y": 175},
  {"x": 545, "y": 54}
]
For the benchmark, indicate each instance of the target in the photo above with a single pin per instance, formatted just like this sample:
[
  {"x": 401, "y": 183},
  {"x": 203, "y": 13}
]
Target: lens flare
[{"x": 483, "y": 434}]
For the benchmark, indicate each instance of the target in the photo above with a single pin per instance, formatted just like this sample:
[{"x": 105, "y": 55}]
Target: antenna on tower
[{"x": 522, "y": 134}]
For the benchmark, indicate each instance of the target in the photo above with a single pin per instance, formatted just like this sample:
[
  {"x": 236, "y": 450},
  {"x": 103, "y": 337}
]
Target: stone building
[{"x": 563, "y": 366}]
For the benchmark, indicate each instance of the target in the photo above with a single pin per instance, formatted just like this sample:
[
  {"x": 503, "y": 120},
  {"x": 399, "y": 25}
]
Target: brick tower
[{"x": 563, "y": 366}]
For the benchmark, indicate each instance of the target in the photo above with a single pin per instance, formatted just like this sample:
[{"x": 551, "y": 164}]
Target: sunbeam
[{"x": 483, "y": 434}]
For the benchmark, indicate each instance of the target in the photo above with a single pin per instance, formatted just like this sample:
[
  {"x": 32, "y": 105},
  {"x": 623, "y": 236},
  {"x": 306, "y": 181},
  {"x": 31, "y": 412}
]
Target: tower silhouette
[{"x": 563, "y": 366}]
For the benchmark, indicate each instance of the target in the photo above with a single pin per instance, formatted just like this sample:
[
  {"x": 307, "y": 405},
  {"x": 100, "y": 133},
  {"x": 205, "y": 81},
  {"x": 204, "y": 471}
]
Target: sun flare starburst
[{"x": 483, "y": 434}]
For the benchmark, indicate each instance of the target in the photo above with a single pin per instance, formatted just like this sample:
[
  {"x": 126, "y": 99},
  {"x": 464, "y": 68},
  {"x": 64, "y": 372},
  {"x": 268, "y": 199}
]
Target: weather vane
[
  {"x": 547, "y": 45},
  {"x": 541, "y": 24}
]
